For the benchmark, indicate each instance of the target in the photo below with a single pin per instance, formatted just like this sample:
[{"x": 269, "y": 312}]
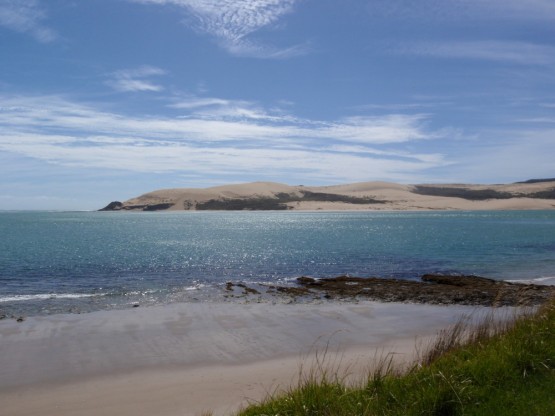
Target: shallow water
[{"x": 81, "y": 261}]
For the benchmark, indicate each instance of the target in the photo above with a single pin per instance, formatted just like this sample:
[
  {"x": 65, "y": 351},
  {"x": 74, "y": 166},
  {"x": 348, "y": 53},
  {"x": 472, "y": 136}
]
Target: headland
[{"x": 379, "y": 196}]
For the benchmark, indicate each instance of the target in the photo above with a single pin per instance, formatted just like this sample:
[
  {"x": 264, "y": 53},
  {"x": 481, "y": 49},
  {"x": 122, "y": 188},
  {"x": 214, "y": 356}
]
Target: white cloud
[
  {"x": 57, "y": 115},
  {"x": 59, "y": 131},
  {"x": 394, "y": 147},
  {"x": 25, "y": 16},
  {"x": 246, "y": 48},
  {"x": 196, "y": 102},
  {"x": 512, "y": 52},
  {"x": 387, "y": 129},
  {"x": 160, "y": 157},
  {"x": 222, "y": 109},
  {"x": 231, "y": 19},
  {"x": 231, "y": 22},
  {"x": 435, "y": 158},
  {"x": 135, "y": 80}
]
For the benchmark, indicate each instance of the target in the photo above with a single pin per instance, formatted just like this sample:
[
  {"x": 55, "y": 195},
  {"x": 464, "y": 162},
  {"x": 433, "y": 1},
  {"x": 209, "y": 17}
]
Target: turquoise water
[{"x": 81, "y": 261}]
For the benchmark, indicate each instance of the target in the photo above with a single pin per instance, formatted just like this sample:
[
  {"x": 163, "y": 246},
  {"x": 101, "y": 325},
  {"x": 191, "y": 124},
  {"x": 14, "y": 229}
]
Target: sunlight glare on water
[{"x": 103, "y": 260}]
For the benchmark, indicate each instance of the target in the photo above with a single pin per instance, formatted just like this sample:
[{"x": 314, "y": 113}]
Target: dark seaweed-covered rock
[
  {"x": 432, "y": 288},
  {"x": 460, "y": 280},
  {"x": 308, "y": 281}
]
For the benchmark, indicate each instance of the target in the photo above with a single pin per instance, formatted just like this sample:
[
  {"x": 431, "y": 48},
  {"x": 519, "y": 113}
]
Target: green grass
[{"x": 500, "y": 367}]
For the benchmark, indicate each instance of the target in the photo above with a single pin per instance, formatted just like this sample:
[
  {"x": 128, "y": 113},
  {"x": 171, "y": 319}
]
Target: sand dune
[{"x": 356, "y": 196}]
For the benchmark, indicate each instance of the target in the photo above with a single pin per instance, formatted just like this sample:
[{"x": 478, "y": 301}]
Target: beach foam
[
  {"x": 548, "y": 281},
  {"x": 46, "y": 296}
]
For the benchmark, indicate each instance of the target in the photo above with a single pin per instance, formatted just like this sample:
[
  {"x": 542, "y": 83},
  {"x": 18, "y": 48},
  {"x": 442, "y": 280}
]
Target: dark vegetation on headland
[
  {"x": 280, "y": 201},
  {"x": 494, "y": 366},
  {"x": 277, "y": 203},
  {"x": 118, "y": 206},
  {"x": 538, "y": 180},
  {"x": 470, "y": 194},
  {"x": 479, "y": 194},
  {"x": 229, "y": 204}
]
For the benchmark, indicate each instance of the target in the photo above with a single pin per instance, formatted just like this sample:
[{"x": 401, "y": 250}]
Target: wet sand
[{"x": 183, "y": 359}]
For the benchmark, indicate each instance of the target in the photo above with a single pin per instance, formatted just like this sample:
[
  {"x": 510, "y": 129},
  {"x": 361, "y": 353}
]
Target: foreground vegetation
[{"x": 499, "y": 367}]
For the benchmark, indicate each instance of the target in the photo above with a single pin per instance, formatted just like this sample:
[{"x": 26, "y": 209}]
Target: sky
[{"x": 108, "y": 99}]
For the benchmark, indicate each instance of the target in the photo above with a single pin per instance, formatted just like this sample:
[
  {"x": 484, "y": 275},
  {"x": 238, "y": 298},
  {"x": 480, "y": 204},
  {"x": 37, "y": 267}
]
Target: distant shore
[{"x": 365, "y": 196}]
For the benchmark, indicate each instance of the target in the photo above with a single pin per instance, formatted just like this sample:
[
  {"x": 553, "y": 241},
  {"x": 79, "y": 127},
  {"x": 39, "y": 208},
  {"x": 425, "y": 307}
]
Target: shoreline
[
  {"x": 431, "y": 289},
  {"x": 203, "y": 354}
]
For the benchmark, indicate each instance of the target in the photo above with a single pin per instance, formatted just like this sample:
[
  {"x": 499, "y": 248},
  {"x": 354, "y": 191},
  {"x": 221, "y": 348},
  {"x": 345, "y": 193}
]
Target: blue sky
[{"x": 108, "y": 99}]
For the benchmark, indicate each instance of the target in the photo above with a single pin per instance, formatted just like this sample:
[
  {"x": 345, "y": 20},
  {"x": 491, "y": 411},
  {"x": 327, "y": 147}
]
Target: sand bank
[{"x": 182, "y": 359}]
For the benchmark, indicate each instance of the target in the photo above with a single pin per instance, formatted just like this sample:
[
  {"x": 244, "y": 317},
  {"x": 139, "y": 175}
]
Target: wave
[
  {"x": 547, "y": 280},
  {"x": 46, "y": 296},
  {"x": 194, "y": 287}
]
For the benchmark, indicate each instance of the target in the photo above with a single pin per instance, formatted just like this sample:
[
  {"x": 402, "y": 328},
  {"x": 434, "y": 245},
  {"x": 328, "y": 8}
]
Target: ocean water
[{"x": 52, "y": 262}]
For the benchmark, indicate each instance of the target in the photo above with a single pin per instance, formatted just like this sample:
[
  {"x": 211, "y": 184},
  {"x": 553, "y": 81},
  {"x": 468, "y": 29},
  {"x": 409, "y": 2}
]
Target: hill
[{"x": 536, "y": 194}]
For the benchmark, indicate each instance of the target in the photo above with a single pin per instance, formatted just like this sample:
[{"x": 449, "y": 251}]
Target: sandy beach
[{"x": 183, "y": 359}]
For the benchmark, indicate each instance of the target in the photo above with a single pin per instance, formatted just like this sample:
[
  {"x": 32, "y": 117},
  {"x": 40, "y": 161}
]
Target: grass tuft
[{"x": 494, "y": 365}]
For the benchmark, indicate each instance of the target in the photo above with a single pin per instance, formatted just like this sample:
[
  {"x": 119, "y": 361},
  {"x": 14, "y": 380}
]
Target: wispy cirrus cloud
[
  {"x": 135, "y": 80},
  {"x": 63, "y": 132},
  {"x": 218, "y": 108},
  {"x": 232, "y": 22},
  {"x": 57, "y": 115},
  {"x": 522, "y": 53},
  {"x": 193, "y": 102},
  {"x": 26, "y": 16}
]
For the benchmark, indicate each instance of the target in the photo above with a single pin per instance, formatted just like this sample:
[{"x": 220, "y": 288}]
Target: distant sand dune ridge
[{"x": 364, "y": 196}]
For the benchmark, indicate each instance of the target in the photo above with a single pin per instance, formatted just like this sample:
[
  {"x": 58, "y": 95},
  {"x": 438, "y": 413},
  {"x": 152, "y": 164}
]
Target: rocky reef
[{"x": 431, "y": 289}]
